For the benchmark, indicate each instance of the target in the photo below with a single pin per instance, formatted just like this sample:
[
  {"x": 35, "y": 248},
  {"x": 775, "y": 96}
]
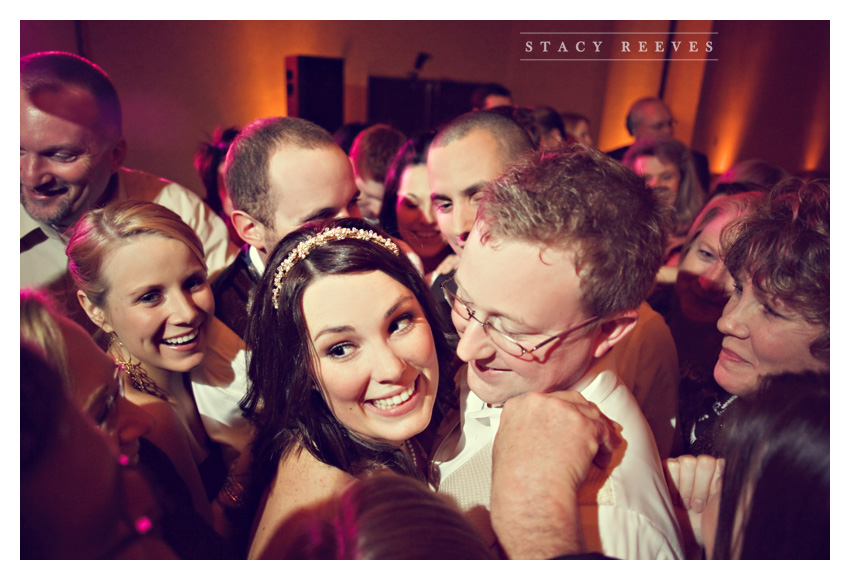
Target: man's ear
[
  {"x": 614, "y": 330},
  {"x": 250, "y": 230},
  {"x": 118, "y": 153},
  {"x": 95, "y": 313}
]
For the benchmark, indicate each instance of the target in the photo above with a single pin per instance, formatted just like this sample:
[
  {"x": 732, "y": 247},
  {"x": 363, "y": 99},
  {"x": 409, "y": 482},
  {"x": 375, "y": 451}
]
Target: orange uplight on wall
[
  {"x": 651, "y": 58},
  {"x": 736, "y": 105},
  {"x": 817, "y": 140}
]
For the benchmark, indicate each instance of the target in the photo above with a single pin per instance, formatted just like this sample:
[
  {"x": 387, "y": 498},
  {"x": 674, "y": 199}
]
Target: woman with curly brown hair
[{"x": 777, "y": 319}]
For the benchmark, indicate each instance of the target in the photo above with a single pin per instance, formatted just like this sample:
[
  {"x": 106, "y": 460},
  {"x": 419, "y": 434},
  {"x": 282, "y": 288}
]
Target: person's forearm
[{"x": 538, "y": 530}]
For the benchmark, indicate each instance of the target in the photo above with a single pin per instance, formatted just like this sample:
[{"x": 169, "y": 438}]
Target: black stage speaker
[
  {"x": 314, "y": 89},
  {"x": 416, "y": 105}
]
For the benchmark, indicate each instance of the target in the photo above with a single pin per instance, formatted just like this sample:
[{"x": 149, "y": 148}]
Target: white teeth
[
  {"x": 181, "y": 339},
  {"x": 395, "y": 400}
]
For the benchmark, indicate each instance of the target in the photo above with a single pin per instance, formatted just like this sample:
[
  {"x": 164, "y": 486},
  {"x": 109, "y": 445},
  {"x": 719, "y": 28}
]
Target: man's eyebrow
[
  {"x": 474, "y": 188},
  {"x": 69, "y": 148},
  {"x": 320, "y": 214},
  {"x": 466, "y": 192},
  {"x": 496, "y": 314}
]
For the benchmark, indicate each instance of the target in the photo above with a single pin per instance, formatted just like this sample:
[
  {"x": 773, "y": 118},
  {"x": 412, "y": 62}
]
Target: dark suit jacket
[{"x": 233, "y": 290}]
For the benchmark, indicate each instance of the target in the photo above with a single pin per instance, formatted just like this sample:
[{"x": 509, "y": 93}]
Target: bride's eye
[
  {"x": 339, "y": 351},
  {"x": 401, "y": 323}
]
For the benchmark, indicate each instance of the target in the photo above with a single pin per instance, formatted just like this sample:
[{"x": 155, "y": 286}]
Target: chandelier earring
[{"x": 139, "y": 379}]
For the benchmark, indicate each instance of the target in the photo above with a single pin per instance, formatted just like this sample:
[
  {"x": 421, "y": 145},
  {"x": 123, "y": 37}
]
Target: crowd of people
[{"x": 487, "y": 341}]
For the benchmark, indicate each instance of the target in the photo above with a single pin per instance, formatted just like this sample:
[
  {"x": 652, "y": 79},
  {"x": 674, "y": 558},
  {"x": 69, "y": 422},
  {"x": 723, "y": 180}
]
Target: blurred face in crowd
[
  {"x": 416, "y": 215},
  {"x": 550, "y": 140},
  {"x": 659, "y": 173},
  {"x": 582, "y": 133},
  {"x": 371, "y": 196},
  {"x": 67, "y": 154},
  {"x": 762, "y": 335},
  {"x": 653, "y": 119},
  {"x": 374, "y": 354},
  {"x": 703, "y": 284},
  {"x": 457, "y": 173}
]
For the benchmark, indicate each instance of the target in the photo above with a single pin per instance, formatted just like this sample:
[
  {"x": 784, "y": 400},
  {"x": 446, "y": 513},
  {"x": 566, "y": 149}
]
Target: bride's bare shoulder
[{"x": 301, "y": 482}]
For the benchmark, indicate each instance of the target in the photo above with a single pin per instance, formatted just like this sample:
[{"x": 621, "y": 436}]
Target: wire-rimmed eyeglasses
[{"x": 498, "y": 337}]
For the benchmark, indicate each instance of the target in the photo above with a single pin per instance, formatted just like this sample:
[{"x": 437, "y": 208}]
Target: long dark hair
[
  {"x": 284, "y": 400},
  {"x": 777, "y": 471},
  {"x": 208, "y": 157}
]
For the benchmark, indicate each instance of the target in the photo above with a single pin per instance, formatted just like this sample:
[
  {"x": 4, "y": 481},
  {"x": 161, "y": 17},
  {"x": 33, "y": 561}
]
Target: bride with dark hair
[{"x": 349, "y": 372}]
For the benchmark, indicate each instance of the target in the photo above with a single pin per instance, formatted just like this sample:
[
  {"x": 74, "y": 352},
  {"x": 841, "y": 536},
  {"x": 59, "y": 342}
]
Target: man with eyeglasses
[
  {"x": 650, "y": 117},
  {"x": 563, "y": 251},
  {"x": 476, "y": 148}
]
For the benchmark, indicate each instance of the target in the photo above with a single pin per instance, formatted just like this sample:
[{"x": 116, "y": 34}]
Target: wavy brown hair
[
  {"x": 578, "y": 199},
  {"x": 784, "y": 249}
]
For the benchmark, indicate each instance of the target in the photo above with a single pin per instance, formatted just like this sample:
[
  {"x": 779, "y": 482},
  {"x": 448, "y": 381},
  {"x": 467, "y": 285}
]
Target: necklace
[{"x": 412, "y": 453}]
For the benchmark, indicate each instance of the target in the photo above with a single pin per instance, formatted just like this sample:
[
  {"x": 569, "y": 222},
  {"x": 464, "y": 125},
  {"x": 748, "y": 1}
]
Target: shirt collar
[
  {"x": 254, "y": 254},
  {"x": 596, "y": 384},
  {"x": 28, "y": 225},
  {"x": 474, "y": 408}
]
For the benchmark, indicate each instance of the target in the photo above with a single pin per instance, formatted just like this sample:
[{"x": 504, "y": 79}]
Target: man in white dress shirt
[
  {"x": 564, "y": 250},
  {"x": 72, "y": 152}
]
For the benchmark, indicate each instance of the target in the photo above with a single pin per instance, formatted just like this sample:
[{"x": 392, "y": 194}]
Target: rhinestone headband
[{"x": 325, "y": 236}]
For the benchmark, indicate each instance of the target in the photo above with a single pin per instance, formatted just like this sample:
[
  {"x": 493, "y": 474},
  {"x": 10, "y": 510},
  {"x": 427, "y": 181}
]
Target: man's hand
[{"x": 541, "y": 455}]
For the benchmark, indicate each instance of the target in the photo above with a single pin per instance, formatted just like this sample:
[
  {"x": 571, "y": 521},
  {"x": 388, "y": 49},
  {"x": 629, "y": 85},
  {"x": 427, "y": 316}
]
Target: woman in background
[
  {"x": 407, "y": 212},
  {"x": 551, "y": 128},
  {"x": 769, "y": 498},
  {"x": 667, "y": 164},
  {"x": 692, "y": 307},
  {"x": 96, "y": 387},
  {"x": 777, "y": 319},
  {"x": 142, "y": 279},
  {"x": 578, "y": 126},
  {"x": 77, "y": 500},
  {"x": 209, "y": 163}
]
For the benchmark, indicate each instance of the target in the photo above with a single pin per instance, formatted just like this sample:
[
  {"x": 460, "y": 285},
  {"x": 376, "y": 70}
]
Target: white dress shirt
[
  {"x": 44, "y": 260},
  {"x": 218, "y": 385},
  {"x": 625, "y": 510}
]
